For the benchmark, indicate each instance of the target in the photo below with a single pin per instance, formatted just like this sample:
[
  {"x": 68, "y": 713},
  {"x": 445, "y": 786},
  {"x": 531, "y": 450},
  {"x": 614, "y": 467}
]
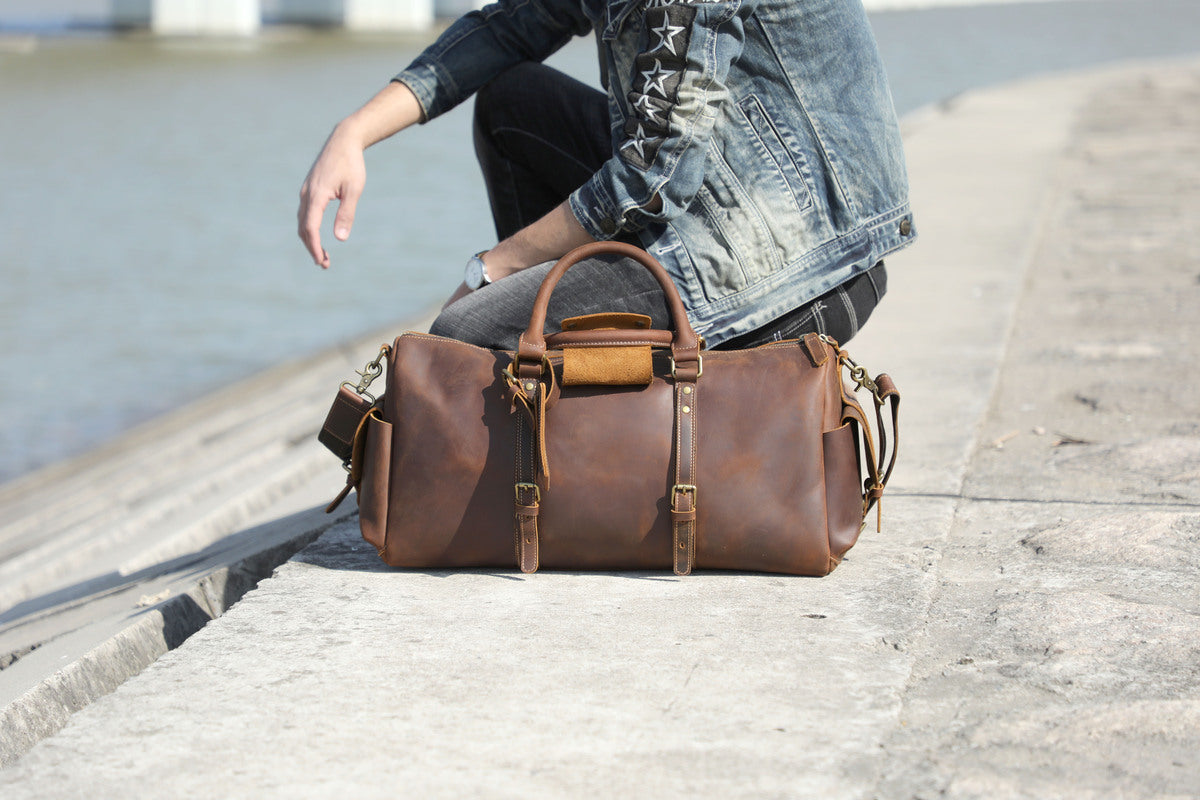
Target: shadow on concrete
[
  {"x": 247, "y": 556},
  {"x": 343, "y": 548}
]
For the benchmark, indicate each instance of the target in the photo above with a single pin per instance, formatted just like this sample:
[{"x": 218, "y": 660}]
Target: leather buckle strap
[
  {"x": 525, "y": 517},
  {"x": 529, "y": 429},
  {"x": 683, "y": 492}
]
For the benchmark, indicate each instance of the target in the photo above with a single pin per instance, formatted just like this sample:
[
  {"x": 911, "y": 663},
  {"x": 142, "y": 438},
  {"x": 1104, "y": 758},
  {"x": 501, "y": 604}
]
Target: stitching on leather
[
  {"x": 685, "y": 472},
  {"x": 616, "y": 343},
  {"x": 693, "y": 523},
  {"x": 825, "y": 485},
  {"x": 530, "y": 526},
  {"x": 517, "y": 453},
  {"x": 442, "y": 340},
  {"x": 675, "y": 526}
]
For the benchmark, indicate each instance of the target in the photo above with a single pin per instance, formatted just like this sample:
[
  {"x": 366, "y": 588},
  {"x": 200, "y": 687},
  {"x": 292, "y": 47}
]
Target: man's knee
[
  {"x": 449, "y": 323},
  {"x": 468, "y": 320}
]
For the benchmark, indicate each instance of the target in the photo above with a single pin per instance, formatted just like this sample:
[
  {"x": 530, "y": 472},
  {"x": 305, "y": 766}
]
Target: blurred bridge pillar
[
  {"x": 456, "y": 8},
  {"x": 190, "y": 17},
  {"x": 360, "y": 15}
]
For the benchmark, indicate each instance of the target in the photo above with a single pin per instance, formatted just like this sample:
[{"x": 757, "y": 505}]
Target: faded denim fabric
[{"x": 766, "y": 127}]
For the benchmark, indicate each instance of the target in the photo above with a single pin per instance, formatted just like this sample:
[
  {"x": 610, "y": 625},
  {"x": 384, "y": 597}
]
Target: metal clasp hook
[
  {"x": 862, "y": 379},
  {"x": 368, "y": 374}
]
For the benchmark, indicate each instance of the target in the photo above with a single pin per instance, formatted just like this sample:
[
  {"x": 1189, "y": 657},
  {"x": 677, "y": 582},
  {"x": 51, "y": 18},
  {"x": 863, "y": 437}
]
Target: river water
[{"x": 148, "y": 195}]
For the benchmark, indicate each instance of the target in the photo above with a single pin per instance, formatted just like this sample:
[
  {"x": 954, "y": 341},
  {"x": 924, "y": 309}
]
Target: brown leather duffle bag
[{"x": 612, "y": 446}]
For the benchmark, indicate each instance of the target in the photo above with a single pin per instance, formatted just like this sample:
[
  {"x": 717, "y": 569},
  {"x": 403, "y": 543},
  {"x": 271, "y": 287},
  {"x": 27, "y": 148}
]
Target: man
[{"x": 751, "y": 146}]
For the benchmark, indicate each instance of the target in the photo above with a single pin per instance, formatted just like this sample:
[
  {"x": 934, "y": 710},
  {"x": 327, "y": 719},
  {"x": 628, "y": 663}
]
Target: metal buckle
[
  {"x": 682, "y": 488},
  {"x": 699, "y": 371},
  {"x": 368, "y": 374},
  {"x": 509, "y": 373},
  {"x": 862, "y": 379},
  {"x": 537, "y": 493}
]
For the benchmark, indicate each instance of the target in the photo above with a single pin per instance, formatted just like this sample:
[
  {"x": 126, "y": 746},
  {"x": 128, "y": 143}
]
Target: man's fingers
[
  {"x": 344, "y": 221},
  {"x": 310, "y": 216}
]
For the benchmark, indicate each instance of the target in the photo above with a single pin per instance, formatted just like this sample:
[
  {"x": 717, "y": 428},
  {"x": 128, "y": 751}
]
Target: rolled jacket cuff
[
  {"x": 596, "y": 211},
  {"x": 423, "y": 81}
]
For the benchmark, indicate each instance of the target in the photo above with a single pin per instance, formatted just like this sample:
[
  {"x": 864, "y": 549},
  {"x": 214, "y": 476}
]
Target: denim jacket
[{"x": 766, "y": 127}]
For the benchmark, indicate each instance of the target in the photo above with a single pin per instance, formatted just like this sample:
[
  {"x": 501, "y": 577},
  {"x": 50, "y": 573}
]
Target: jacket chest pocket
[{"x": 786, "y": 165}]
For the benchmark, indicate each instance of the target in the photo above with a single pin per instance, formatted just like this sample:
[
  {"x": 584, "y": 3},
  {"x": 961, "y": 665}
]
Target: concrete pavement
[
  {"x": 109, "y": 560},
  {"x": 1025, "y": 626}
]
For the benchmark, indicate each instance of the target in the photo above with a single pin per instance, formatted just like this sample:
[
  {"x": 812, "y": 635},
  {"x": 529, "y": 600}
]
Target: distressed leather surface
[{"x": 774, "y": 490}]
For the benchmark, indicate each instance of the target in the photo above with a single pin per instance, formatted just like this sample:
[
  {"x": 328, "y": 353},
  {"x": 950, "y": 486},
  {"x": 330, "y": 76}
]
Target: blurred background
[{"x": 148, "y": 185}]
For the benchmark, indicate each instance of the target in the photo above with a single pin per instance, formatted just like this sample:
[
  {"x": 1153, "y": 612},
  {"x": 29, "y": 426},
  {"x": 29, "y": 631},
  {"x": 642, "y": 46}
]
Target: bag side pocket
[
  {"x": 373, "y": 490},
  {"x": 843, "y": 496}
]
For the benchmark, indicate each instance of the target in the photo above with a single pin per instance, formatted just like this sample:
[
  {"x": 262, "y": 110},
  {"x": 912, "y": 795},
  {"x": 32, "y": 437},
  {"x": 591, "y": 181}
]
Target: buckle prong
[
  {"x": 682, "y": 488},
  {"x": 537, "y": 493},
  {"x": 699, "y": 368}
]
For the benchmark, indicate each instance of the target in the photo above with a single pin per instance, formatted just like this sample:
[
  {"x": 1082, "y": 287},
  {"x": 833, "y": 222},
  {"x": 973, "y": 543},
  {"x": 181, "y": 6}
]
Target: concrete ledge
[
  {"x": 45, "y": 708},
  {"x": 111, "y": 559}
]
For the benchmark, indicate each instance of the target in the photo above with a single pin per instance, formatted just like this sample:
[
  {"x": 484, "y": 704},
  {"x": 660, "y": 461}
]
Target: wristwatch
[{"x": 477, "y": 274}]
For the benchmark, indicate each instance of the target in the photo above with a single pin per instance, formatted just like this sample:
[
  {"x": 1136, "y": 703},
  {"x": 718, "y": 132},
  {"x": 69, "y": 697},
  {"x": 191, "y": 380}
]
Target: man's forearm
[
  {"x": 551, "y": 237},
  {"x": 390, "y": 111}
]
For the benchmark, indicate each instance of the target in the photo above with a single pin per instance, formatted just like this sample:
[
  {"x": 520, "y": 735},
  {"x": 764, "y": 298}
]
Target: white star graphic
[
  {"x": 656, "y": 78},
  {"x": 666, "y": 36},
  {"x": 640, "y": 140},
  {"x": 647, "y": 108}
]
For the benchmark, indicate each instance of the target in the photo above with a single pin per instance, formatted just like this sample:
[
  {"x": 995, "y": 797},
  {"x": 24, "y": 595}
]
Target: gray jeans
[{"x": 495, "y": 315}]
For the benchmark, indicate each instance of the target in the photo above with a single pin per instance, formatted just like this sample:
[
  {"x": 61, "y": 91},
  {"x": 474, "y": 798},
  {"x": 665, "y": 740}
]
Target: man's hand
[{"x": 339, "y": 173}]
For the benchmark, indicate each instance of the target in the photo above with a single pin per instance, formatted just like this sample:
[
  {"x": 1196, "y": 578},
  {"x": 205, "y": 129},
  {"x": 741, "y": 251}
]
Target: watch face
[{"x": 475, "y": 274}]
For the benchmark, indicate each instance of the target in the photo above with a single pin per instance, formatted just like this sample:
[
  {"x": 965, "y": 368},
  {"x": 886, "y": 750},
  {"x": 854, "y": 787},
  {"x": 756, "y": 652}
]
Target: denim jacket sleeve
[
  {"x": 674, "y": 90},
  {"x": 483, "y": 43}
]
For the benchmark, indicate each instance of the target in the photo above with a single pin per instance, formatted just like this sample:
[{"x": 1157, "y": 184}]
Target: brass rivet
[
  {"x": 528, "y": 540},
  {"x": 682, "y": 546},
  {"x": 687, "y": 409},
  {"x": 687, "y": 390},
  {"x": 529, "y": 387}
]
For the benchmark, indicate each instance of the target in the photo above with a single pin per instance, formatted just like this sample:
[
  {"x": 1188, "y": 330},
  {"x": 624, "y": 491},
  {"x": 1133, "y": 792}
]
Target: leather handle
[{"x": 532, "y": 344}]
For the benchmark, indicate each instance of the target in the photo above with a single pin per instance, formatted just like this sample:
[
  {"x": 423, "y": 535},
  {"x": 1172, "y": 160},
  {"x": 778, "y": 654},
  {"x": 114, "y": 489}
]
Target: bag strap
[
  {"x": 683, "y": 492},
  {"x": 533, "y": 388},
  {"x": 528, "y": 406},
  {"x": 883, "y": 392}
]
